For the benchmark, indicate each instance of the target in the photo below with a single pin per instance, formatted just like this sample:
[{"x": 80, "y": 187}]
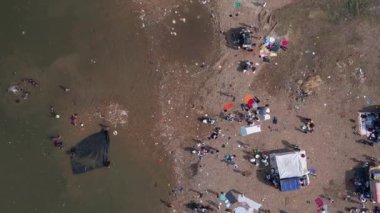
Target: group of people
[
  {"x": 22, "y": 88},
  {"x": 57, "y": 140},
  {"x": 215, "y": 133},
  {"x": 307, "y": 125},
  {"x": 257, "y": 158}
]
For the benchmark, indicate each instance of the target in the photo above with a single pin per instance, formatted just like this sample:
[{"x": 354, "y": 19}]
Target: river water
[{"x": 98, "y": 50}]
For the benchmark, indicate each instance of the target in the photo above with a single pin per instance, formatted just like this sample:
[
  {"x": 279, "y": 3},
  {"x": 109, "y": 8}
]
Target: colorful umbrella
[
  {"x": 228, "y": 106},
  {"x": 284, "y": 43},
  {"x": 247, "y": 98},
  {"x": 250, "y": 103}
]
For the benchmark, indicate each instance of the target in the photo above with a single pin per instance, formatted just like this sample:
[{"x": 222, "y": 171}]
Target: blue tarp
[
  {"x": 231, "y": 197},
  {"x": 290, "y": 184}
]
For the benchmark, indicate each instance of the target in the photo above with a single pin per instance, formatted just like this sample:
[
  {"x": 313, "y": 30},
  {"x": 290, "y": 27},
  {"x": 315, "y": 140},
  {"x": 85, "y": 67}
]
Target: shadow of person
[
  {"x": 90, "y": 153},
  {"x": 303, "y": 119},
  {"x": 287, "y": 144}
]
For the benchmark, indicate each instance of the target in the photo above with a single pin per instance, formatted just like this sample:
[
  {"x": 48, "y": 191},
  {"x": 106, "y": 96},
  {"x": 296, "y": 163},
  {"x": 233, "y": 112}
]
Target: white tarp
[
  {"x": 253, "y": 206},
  {"x": 250, "y": 130},
  {"x": 289, "y": 164},
  {"x": 361, "y": 126},
  {"x": 241, "y": 209}
]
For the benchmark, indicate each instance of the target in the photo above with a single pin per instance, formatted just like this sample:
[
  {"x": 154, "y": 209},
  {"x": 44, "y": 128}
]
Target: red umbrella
[
  {"x": 228, "y": 106},
  {"x": 284, "y": 43},
  {"x": 250, "y": 103}
]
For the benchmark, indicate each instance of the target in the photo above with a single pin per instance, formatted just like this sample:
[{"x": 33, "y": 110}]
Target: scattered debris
[
  {"x": 309, "y": 86},
  {"x": 114, "y": 114}
]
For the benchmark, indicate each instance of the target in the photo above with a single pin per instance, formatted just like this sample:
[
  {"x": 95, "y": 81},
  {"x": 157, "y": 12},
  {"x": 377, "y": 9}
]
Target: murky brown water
[{"x": 98, "y": 50}]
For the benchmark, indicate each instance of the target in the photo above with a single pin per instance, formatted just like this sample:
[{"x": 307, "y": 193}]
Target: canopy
[
  {"x": 289, "y": 164},
  {"x": 252, "y": 204},
  {"x": 247, "y": 98},
  {"x": 290, "y": 184},
  {"x": 228, "y": 106},
  {"x": 241, "y": 209}
]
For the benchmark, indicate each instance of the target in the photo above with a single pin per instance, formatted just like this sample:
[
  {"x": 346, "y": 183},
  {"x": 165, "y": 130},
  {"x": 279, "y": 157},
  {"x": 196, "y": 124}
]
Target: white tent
[{"x": 289, "y": 164}]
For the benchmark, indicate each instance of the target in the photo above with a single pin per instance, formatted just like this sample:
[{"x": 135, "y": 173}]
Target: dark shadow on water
[{"x": 90, "y": 153}]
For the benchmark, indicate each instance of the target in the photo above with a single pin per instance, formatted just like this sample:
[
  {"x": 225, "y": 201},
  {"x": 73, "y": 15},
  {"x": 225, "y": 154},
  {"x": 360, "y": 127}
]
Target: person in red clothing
[
  {"x": 74, "y": 119},
  {"x": 57, "y": 141}
]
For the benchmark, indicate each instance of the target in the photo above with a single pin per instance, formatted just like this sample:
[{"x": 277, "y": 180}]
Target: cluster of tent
[{"x": 289, "y": 170}]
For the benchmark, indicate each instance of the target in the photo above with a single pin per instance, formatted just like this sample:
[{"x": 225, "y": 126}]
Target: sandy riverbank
[{"x": 189, "y": 90}]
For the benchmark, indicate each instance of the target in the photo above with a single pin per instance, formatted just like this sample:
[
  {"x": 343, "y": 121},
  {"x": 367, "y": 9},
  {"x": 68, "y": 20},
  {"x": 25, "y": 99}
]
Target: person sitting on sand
[{"x": 74, "y": 119}]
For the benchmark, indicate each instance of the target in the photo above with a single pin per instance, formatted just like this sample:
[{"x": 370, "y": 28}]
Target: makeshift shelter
[
  {"x": 245, "y": 39},
  {"x": 374, "y": 177},
  {"x": 369, "y": 123},
  {"x": 289, "y": 170},
  {"x": 90, "y": 153},
  {"x": 362, "y": 182}
]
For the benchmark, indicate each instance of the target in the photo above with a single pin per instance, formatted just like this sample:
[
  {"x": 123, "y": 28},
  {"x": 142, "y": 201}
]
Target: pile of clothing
[{"x": 271, "y": 46}]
